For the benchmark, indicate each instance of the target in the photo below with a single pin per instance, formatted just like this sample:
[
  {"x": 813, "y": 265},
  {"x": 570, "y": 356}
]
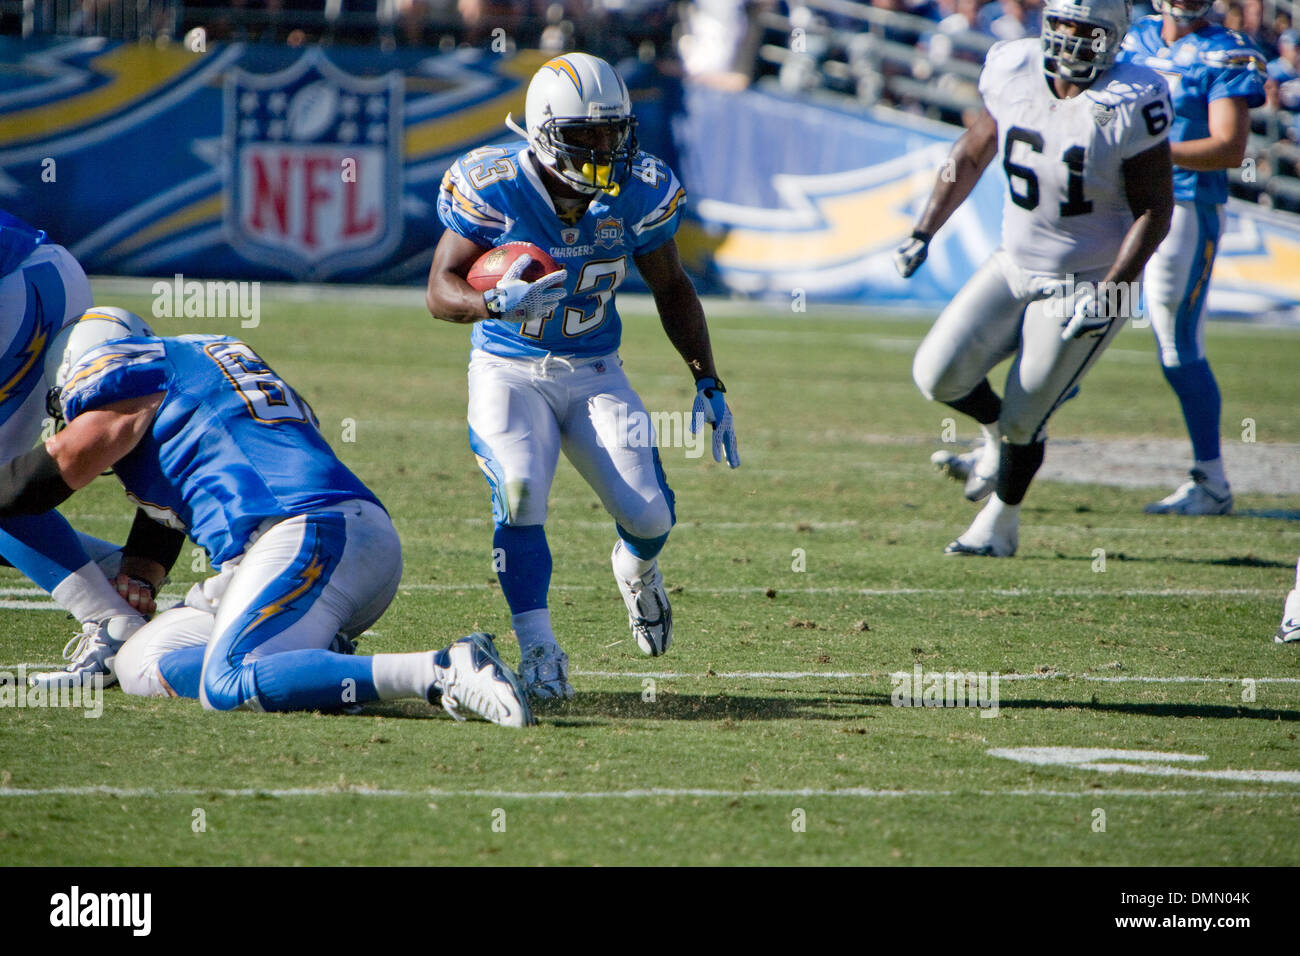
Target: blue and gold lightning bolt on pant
[{"x": 256, "y": 635}]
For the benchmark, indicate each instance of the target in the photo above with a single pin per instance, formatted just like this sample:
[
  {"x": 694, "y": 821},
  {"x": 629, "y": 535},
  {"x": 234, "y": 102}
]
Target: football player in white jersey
[
  {"x": 544, "y": 373},
  {"x": 1215, "y": 76},
  {"x": 1083, "y": 144}
]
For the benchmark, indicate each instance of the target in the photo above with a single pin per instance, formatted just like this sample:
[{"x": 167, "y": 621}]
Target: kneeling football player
[
  {"x": 211, "y": 442},
  {"x": 1084, "y": 144},
  {"x": 544, "y": 372}
]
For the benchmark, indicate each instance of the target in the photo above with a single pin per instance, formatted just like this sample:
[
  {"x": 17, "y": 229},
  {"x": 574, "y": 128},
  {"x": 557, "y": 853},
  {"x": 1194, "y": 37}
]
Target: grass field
[{"x": 767, "y": 734}]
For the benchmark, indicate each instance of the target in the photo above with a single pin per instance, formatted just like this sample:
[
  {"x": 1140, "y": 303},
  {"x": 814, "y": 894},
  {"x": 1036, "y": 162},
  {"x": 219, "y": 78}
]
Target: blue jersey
[
  {"x": 495, "y": 195},
  {"x": 231, "y": 446},
  {"x": 1208, "y": 65},
  {"x": 17, "y": 241}
]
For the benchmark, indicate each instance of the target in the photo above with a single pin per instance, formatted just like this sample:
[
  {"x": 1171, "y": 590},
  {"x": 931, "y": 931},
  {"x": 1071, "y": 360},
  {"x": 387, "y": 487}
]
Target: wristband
[{"x": 716, "y": 384}]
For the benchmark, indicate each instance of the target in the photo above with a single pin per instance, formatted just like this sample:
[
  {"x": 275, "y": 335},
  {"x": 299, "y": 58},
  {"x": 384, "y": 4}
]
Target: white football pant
[
  {"x": 522, "y": 412},
  {"x": 1000, "y": 312},
  {"x": 51, "y": 273},
  {"x": 299, "y": 582},
  {"x": 1177, "y": 278}
]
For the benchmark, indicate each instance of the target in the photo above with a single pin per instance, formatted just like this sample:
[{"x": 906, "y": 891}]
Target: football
[{"x": 493, "y": 264}]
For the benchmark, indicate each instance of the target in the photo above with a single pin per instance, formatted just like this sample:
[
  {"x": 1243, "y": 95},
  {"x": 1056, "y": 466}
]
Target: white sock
[
  {"x": 89, "y": 596},
  {"x": 402, "y": 675},
  {"x": 1214, "y": 471},
  {"x": 627, "y": 565},
  {"x": 997, "y": 517},
  {"x": 533, "y": 628},
  {"x": 991, "y": 452}
]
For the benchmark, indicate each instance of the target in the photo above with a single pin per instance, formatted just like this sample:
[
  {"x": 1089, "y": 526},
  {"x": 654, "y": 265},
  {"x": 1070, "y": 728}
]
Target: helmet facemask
[
  {"x": 1078, "y": 57},
  {"x": 1185, "y": 11},
  {"x": 591, "y": 155}
]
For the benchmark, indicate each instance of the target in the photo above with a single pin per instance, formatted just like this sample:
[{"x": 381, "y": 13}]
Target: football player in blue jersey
[
  {"x": 42, "y": 289},
  {"x": 1215, "y": 76},
  {"x": 211, "y": 442},
  {"x": 544, "y": 372}
]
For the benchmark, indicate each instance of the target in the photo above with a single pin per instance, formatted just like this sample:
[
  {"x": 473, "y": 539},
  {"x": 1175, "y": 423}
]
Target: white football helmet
[
  {"x": 1185, "y": 10},
  {"x": 1087, "y": 52},
  {"x": 90, "y": 330},
  {"x": 580, "y": 122}
]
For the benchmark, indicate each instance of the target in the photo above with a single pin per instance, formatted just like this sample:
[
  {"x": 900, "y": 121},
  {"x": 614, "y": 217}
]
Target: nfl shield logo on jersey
[
  {"x": 313, "y": 163},
  {"x": 570, "y": 236},
  {"x": 1103, "y": 114}
]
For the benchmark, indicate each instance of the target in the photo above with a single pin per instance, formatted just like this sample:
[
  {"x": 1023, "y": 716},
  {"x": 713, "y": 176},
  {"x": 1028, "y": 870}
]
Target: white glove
[
  {"x": 515, "y": 300},
  {"x": 909, "y": 256},
  {"x": 1086, "y": 319}
]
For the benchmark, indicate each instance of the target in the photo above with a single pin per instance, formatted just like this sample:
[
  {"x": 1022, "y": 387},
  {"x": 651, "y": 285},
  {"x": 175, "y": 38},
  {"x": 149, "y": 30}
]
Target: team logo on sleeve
[
  {"x": 609, "y": 232},
  {"x": 313, "y": 158}
]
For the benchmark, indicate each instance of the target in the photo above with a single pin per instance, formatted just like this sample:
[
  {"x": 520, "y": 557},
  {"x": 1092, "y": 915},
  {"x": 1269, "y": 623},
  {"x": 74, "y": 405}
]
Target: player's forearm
[
  {"x": 151, "y": 549},
  {"x": 956, "y": 180},
  {"x": 1141, "y": 240},
  {"x": 452, "y": 299},
  {"x": 683, "y": 320},
  {"x": 1208, "y": 155},
  {"x": 960, "y": 172}
]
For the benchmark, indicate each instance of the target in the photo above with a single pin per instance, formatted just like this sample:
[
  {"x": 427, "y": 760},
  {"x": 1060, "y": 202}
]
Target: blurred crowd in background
[{"x": 922, "y": 56}]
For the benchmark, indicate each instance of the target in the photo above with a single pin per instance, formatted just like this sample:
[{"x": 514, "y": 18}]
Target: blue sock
[
  {"x": 44, "y": 547},
  {"x": 97, "y": 548},
  {"x": 313, "y": 680},
  {"x": 526, "y": 574},
  {"x": 1198, "y": 393}
]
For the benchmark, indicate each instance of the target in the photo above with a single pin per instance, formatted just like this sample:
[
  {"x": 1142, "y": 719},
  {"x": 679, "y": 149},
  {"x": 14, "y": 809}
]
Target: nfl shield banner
[{"x": 313, "y": 166}]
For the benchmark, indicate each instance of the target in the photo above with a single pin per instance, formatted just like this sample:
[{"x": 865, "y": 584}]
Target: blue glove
[{"x": 711, "y": 407}]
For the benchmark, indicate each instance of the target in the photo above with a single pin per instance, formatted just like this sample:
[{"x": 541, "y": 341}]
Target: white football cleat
[
  {"x": 1199, "y": 496},
  {"x": 91, "y": 652},
  {"x": 470, "y": 675},
  {"x": 991, "y": 546},
  {"x": 544, "y": 672},
  {"x": 994, "y": 533},
  {"x": 1289, "y": 630},
  {"x": 973, "y": 467},
  {"x": 648, "y": 612}
]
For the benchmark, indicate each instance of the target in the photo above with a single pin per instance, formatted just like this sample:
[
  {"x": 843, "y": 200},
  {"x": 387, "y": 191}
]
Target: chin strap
[{"x": 511, "y": 124}]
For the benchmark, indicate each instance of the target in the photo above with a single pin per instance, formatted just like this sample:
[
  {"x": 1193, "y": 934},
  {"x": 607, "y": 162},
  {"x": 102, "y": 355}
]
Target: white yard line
[
  {"x": 634, "y": 794},
  {"x": 8, "y": 604},
  {"x": 874, "y": 675},
  {"x": 858, "y": 675}
]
